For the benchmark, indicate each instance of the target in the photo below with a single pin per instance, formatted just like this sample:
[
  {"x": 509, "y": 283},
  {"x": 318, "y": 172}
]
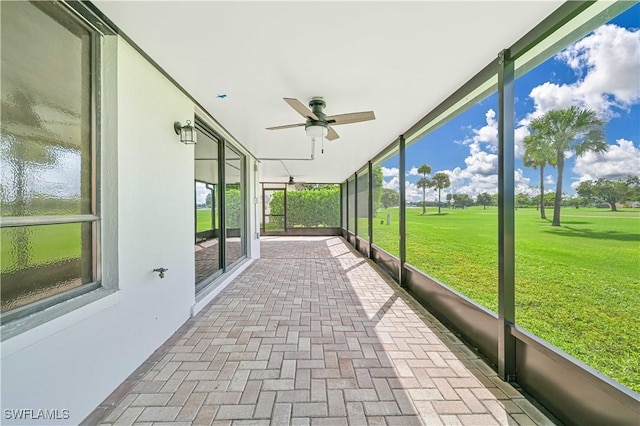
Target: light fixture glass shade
[
  {"x": 188, "y": 133},
  {"x": 317, "y": 132}
]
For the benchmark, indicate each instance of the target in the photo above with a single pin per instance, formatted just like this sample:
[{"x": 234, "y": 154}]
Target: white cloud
[
  {"x": 581, "y": 179},
  {"x": 481, "y": 171},
  {"x": 607, "y": 68},
  {"x": 489, "y": 132},
  {"x": 201, "y": 194},
  {"x": 465, "y": 181},
  {"x": 390, "y": 171},
  {"x": 528, "y": 190},
  {"x": 607, "y": 61},
  {"x": 413, "y": 171},
  {"x": 414, "y": 193},
  {"x": 481, "y": 162},
  {"x": 523, "y": 184},
  {"x": 481, "y": 175},
  {"x": 476, "y": 185},
  {"x": 549, "y": 96},
  {"x": 611, "y": 55},
  {"x": 394, "y": 183},
  {"x": 520, "y": 133},
  {"x": 457, "y": 176},
  {"x": 619, "y": 161},
  {"x": 549, "y": 180}
]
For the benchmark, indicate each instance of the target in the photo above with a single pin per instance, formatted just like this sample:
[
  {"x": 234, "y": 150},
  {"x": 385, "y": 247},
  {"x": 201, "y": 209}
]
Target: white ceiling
[{"x": 399, "y": 59}]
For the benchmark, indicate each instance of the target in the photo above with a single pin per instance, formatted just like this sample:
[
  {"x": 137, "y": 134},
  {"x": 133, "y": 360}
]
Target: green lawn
[
  {"x": 577, "y": 286},
  {"x": 47, "y": 245},
  {"x": 203, "y": 220}
]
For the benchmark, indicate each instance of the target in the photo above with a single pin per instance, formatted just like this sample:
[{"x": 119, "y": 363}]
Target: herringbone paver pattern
[{"x": 313, "y": 334}]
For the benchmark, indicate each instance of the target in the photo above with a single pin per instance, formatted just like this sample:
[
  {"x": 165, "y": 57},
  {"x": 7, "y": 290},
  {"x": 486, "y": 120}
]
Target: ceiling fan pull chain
[{"x": 323, "y": 145}]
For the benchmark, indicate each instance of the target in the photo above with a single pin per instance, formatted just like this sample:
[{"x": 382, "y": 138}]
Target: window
[
  {"x": 386, "y": 204},
  {"x": 577, "y": 269},
  {"x": 452, "y": 192},
  {"x": 219, "y": 211},
  {"x": 48, "y": 186},
  {"x": 343, "y": 195},
  {"x": 351, "y": 205},
  {"x": 234, "y": 205},
  {"x": 274, "y": 207},
  {"x": 207, "y": 208},
  {"x": 363, "y": 205}
]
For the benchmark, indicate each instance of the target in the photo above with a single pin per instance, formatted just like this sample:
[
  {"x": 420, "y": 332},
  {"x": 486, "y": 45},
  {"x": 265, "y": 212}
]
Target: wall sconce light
[
  {"x": 291, "y": 181},
  {"x": 187, "y": 132}
]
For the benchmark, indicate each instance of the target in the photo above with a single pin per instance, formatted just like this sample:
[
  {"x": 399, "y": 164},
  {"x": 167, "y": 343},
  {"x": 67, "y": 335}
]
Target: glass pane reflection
[
  {"x": 234, "y": 206},
  {"x": 42, "y": 261},
  {"x": 45, "y": 143},
  {"x": 207, "y": 228}
]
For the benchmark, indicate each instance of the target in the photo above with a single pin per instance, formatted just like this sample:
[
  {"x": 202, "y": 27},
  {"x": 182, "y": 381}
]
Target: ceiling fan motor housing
[{"x": 317, "y": 105}]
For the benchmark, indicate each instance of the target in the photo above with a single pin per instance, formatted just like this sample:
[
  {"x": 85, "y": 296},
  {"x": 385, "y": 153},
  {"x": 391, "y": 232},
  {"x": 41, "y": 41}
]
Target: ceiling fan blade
[
  {"x": 287, "y": 126},
  {"x": 353, "y": 117},
  {"x": 332, "y": 135},
  {"x": 300, "y": 108}
]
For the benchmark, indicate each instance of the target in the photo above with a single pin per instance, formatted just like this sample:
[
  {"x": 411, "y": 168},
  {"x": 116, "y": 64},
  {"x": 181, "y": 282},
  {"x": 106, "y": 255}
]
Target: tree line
[{"x": 593, "y": 192}]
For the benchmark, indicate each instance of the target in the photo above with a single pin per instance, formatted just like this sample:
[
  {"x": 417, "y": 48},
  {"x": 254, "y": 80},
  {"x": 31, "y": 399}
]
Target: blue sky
[{"x": 600, "y": 71}]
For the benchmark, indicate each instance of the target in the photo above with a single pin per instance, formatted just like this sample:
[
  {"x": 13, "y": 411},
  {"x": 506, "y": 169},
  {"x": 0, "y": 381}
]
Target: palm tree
[
  {"x": 440, "y": 180},
  {"x": 423, "y": 183},
  {"x": 538, "y": 153},
  {"x": 574, "y": 129}
]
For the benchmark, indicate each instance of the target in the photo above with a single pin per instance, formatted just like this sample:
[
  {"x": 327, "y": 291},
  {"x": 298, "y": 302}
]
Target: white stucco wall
[{"x": 76, "y": 360}]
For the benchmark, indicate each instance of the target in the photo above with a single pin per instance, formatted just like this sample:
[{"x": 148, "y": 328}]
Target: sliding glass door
[
  {"x": 219, "y": 213},
  {"x": 234, "y": 210},
  {"x": 207, "y": 212}
]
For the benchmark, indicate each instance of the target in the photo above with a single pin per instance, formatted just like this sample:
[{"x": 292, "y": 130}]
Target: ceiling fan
[{"x": 318, "y": 124}]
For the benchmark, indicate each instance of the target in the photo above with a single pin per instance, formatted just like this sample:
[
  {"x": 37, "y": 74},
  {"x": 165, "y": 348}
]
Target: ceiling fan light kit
[{"x": 317, "y": 131}]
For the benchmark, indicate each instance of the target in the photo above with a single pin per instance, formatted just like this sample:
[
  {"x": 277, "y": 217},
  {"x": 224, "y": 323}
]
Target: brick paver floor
[{"x": 314, "y": 334}]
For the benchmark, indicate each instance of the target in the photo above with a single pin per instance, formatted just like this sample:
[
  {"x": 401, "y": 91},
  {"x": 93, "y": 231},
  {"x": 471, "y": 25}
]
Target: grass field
[
  {"x": 47, "y": 244},
  {"x": 577, "y": 286},
  {"x": 203, "y": 222}
]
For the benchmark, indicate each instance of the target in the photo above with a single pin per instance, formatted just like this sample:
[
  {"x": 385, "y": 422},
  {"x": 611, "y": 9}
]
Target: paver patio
[{"x": 314, "y": 334}]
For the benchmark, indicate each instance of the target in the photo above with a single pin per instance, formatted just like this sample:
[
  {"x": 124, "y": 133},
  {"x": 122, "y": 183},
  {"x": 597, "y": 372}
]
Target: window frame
[
  {"x": 242, "y": 158},
  {"x": 202, "y": 285},
  {"x": 90, "y": 24}
]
